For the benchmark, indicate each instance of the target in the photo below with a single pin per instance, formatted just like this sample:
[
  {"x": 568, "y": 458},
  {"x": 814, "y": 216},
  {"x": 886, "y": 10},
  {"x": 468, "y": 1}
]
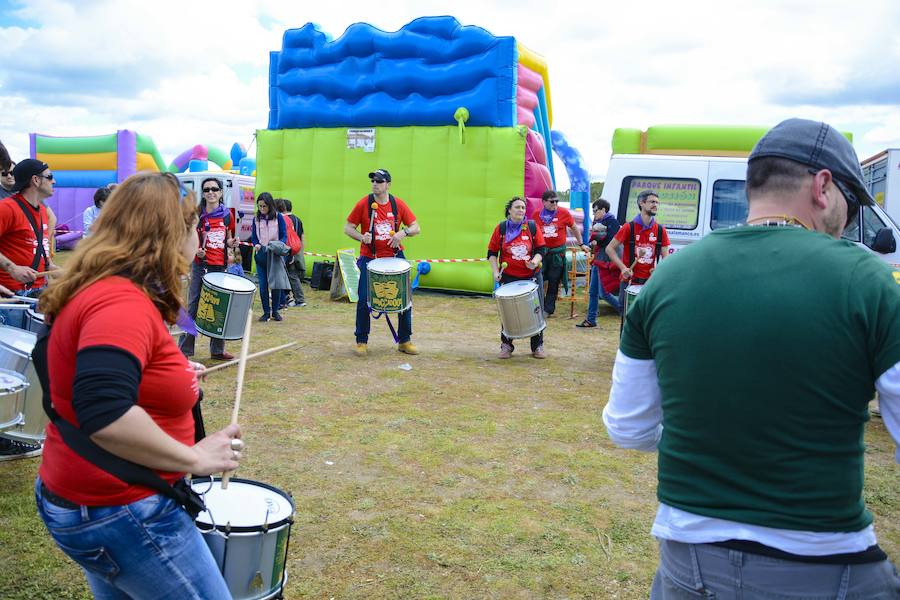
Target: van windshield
[{"x": 729, "y": 204}]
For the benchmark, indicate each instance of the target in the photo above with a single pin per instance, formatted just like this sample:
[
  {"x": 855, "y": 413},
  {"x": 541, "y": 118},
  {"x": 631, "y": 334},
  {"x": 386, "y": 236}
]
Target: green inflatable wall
[{"x": 456, "y": 190}]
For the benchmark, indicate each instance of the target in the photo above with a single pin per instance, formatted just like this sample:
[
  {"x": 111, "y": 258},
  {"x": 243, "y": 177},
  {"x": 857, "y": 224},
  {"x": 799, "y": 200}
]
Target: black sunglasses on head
[{"x": 207, "y": 190}]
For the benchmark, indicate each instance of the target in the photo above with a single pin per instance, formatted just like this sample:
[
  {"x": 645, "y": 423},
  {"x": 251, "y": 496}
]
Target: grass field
[{"x": 464, "y": 477}]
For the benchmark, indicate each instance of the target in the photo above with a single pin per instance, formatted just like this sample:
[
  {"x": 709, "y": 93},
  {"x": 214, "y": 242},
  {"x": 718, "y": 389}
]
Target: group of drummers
[{"x": 122, "y": 410}]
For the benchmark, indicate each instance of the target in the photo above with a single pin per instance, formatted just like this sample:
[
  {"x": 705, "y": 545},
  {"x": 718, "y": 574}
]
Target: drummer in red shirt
[
  {"x": 24, "y": 221},
  {"x": 520, "y": 245},
  {"x": 650, "y": 243},
  {"x": 380, "y": 238},
  {"x": 118, "y": 381},
  {"x": 555, "y": 221}
]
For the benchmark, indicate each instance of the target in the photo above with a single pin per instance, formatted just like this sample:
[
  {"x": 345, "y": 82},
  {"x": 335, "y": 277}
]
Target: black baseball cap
[
  {"x": 25, "y": 170},
  {"x": 380, "y": 174},
  {"x": 817, "y": 145}
]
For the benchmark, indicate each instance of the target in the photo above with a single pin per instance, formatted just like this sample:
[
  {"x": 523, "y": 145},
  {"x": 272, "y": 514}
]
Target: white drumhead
[
  {"x": 11, "y": 382},
  {"x": 634, "y": 289},
  {"x": 227, "y": 281},
  {"x": 388, "y": 266},
  {"x": 243, "y": 504},
  {"x": 16, "y": 338},
  {"x": 515, "y": 288}
]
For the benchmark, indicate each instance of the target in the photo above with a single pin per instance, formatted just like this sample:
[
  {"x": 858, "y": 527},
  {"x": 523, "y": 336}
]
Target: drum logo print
[
  {"x": 209, "y": 314},
  {"x": 387, "y": 294}
]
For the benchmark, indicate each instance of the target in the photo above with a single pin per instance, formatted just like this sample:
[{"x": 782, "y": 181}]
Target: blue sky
[{"x": 191, "y": 73}]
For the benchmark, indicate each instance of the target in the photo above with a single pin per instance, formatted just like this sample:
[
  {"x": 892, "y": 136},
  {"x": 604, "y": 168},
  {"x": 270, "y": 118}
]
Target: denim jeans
[
  {"x": 146, "y": 549},
  {"x": 595, "y": 292},
  {"x": 704, "y": 571},
  {"x": 186, "y": 343},
  {"x": 15, "y": 317},
  {"x": 262, "y": 257},
  {"x": 363, "y": 320}
]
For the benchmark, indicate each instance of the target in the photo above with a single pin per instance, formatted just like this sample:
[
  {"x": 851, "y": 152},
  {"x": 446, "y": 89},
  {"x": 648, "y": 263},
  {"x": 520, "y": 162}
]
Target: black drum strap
[{"x": 81, "y": 444}]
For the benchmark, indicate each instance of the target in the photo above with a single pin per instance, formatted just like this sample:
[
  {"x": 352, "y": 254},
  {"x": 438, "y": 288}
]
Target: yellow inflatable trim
[
  {"x": 538, "y": 64},
  {"x": 97, "y": 161}
]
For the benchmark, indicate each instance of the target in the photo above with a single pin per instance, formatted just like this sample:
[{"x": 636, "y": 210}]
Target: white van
[
  {"x": 698, "y": 194},
  {"x": 238, "y": 196}
]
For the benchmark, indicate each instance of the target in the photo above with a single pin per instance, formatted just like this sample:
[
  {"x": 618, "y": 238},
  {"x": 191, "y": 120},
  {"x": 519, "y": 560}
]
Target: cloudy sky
[{"x": 196, "y": 72}]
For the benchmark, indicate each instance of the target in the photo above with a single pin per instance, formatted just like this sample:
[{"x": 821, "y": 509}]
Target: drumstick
[
  {"x": 231, "y": 363},
  {"x": 53, "y": 272},
  {"x": 19, "y": 299},
  {"x": 242, "y": 366}
]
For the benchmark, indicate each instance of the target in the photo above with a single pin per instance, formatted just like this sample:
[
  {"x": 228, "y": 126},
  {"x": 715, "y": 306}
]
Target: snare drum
[
  {"x": 224, "y": 305},
  {"x": 247, "y": 528},
  {"x": 12, "y": 385},
  {"x": 389, "y": 285},
  {"x": 519, "y": 304},
  {"x": 631, "y": 294},
  {"x": 15, "y": 355}
]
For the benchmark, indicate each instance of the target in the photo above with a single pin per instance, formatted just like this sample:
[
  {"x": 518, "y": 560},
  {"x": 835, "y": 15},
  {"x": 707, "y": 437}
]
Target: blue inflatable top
[{"x": 418, "y": 75}]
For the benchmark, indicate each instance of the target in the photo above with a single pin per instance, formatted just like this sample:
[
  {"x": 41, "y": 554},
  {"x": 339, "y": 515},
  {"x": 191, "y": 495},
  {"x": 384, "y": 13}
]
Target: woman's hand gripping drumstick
[{"x": 242, "y": 367}]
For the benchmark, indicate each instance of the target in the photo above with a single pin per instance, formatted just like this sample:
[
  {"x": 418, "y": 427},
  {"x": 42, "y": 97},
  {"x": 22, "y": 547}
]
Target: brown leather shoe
[{"x": 223, "y": 356}]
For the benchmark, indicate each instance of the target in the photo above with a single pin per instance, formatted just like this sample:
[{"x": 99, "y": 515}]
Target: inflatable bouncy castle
[
  {"x": 80, "y": 165},
  {"x": 460, "y": 117}
]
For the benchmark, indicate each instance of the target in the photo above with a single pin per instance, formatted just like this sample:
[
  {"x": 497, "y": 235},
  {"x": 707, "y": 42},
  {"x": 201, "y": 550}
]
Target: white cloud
[{"x": 197, "y": 72}]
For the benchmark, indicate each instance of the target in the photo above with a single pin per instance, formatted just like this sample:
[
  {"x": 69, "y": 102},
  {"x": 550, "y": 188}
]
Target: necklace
[{"x": 777, "y": 221}]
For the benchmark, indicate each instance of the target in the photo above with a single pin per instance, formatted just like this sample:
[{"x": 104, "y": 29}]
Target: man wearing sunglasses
[
  {"x": 380, "y": 222},
  {"x": 748, "y": 363},
  {"x": 24, "y": 231},
  {"x": 7, "y": 181},
  {"x": 555, "y": 221}
]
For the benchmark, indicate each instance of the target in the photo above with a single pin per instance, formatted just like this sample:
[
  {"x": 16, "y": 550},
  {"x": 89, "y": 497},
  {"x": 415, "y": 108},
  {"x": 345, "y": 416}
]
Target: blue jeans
[
  {"x": 15, "y": 317},
  {"x": 705, "y": 571},
  {"x": 363, "y": 320},
  {"x": 146, "y": 549},
  {"x": 262, "y": 258},
  {"x": 596, "y": 292}
]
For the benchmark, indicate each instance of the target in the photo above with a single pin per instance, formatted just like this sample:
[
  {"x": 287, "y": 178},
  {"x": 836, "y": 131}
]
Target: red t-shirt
[
  {"x": 645, "y": 238},
  {"x": 555, "y": 231},
  {"x": 17, "y": 241},
  {"x": 384, "y": 224},
  {"x": 518, "y": 251},
  {"x": 215, "y": 239},
  {"x": 115, "y": 312}
]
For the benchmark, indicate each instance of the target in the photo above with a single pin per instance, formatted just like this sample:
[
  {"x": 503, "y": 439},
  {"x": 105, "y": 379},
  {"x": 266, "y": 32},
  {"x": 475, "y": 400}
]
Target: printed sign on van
[{"x": 679, "y": 200}]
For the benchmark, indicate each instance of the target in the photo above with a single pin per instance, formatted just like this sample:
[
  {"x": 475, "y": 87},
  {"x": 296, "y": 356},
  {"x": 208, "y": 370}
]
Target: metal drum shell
[
  {"x": 15, "y": 354},
  {"x": 239, "y": 292},
  {"x": 11, "y": 398},
  {"x": 396, "y": 270},
  {"x": 34, "y": 322},
  {"x": 631, "y": 294},
  {"x": 241, "y": 551},
  {"x": 519, "y": 305}
]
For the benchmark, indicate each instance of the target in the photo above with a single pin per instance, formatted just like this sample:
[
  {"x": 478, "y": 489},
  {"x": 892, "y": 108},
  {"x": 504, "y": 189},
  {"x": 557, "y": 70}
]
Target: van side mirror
[{"x": 884, "y": 241}]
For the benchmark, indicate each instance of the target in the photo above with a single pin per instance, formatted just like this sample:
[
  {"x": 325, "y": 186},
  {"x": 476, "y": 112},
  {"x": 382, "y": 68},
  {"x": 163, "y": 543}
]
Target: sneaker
[
  {"x": 276, "y": 316},
  {"x": 539, "y": 353},
  {"x": 290, "y": 304},
  {"x": 505, "y": 351},
  {"x": 586, "y": 323},
  {"x": 264, "y": 318},
  {"x": 222, "y": 356},
  {"x": 301, "y": 305},
  {"x": 361, "y": 349},
  {"x": 12, "y": 450},
  {"x": 408, "y": 348}
]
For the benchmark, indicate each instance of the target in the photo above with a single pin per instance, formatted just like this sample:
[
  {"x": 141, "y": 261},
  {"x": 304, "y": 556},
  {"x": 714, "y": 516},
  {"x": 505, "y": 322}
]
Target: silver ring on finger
[{"x": 237, "y": 444}]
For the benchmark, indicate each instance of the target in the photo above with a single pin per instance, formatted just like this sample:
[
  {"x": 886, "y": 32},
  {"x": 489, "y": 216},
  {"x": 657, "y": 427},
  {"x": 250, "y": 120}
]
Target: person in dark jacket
[{"x": 604, "y": 274}]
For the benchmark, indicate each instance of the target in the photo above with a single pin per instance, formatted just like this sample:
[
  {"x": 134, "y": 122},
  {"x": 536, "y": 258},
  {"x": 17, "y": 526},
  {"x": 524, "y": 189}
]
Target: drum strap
[
  {"x": 81, "y": 444},
  {"x": 39, "y": 251}
]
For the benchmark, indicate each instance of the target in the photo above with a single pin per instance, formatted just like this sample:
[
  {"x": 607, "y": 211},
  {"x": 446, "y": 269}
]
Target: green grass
[{"x": 466, "y": 477}]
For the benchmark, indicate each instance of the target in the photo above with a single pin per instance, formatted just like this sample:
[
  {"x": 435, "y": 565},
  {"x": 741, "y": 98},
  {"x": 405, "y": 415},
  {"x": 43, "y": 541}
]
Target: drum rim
[
  {"x": 25, "y": 384},
  {"x": 391, "y": 259},
  {"x": 223, "y": 275},
  {"x": 246, "y": 528},
  {"x": 527, "y": 281}
]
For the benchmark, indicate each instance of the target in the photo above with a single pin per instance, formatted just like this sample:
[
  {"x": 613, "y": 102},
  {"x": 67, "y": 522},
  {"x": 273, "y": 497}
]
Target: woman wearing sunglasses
[
  {"x": 119, "y": 381},
  {"x": 215, "y": 234}
]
